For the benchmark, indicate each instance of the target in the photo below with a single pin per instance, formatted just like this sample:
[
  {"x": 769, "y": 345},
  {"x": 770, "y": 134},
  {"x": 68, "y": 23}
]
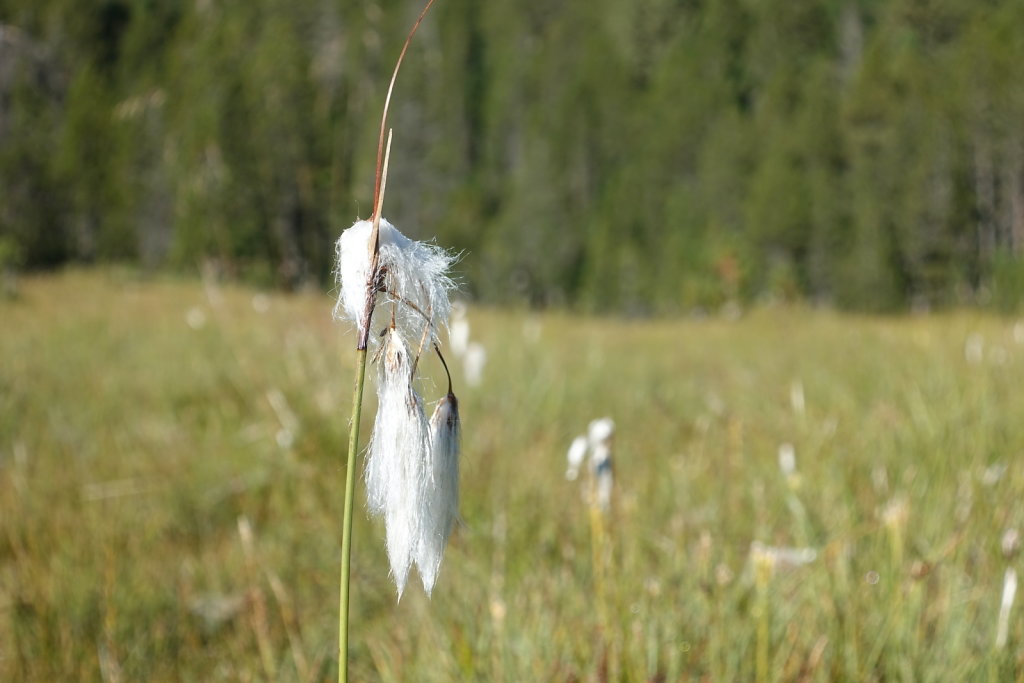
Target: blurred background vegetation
[
  {"x": 170, "y": 465},
  {"x": 645, "y": 157},
  {"x": 171, "y": 477}
]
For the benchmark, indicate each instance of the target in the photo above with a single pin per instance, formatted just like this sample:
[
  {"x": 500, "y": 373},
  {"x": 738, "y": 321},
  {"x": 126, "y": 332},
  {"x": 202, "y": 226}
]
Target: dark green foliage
[{"x": 651, "y": 156}]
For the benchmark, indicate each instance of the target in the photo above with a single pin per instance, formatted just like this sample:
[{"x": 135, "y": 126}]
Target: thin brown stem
[
  {"x": 405, "y": 302},
  {"x": 419, "y": 349},
  {"x": 374, "y": 242},
  {"x": 377, "y": 190},
  {"x": 445, "y": 364},
  {"x": 378, "y": 205}
]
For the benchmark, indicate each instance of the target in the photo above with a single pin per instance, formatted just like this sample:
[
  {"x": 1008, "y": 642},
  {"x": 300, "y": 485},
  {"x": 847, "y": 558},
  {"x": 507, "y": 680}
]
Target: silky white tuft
[
  {"x": 411, "y": 274},
  {"x": 1005, "y": 605},
  {"x": 601, "y": 430},
  {"x": 441, "y": 503},
  {"x": 1010, "y": 543},
  {"x": 397, "y": 467},
  {"x": 597, "y": 443},
  {"x": 353, "y": 273},
  {"x": 787, "y": 460},
  {"x": 576, "y": 455},
  {"x": 784, "y": 557},
  {"x": 458, "y": 334}
]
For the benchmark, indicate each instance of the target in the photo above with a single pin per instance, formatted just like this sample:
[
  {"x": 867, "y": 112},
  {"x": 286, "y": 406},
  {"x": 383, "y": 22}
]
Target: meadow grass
[{"x": 172, "y": 467}]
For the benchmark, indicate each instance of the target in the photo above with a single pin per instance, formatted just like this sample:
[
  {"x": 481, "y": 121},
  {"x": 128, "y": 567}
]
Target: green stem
[
  {"x": 762, "y": 574},
  {"x": 346, "y": 533}
]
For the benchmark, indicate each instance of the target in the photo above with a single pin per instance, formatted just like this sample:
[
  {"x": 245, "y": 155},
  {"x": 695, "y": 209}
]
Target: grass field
[{"x": 172, "y": 461}]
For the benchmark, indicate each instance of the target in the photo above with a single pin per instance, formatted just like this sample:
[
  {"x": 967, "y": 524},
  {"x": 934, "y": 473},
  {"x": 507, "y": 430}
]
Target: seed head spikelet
[
  {"x": 441, "y": 505},
  {"x": 397, "y": 475},
  {"x": 413, "y": 275},
  {"x": 576, "y": 455}
]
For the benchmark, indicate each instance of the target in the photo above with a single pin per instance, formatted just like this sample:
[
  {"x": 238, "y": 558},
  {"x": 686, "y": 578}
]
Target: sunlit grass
[{"x": 142, "y": 422}]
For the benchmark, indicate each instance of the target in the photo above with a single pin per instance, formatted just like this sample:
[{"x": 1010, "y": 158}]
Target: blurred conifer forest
[{"x": 646, "y": 157}]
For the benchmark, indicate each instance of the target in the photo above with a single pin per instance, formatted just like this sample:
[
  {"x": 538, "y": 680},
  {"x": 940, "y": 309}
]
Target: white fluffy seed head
[
  {"x": 1009, "y": 588},
  {"x": 353, "y": 273},
  {"x": 576, "y": 455},
  {"x": 601, "y": 431},
  {"x": 441, "y": 505},
  {"x": 1005, "y": 605},
  {"x": 600, "y": 434},
  {"x": 413, "y": 274},
  {"x": 787, "y": 460},
  {"x": 766, "y": 559},
  {"x": 397, "y": 468},
  {"x": 1010, "y": 543}
]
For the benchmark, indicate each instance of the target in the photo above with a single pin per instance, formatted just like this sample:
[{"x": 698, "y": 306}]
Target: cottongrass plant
[
  {"x": 597, "y": 443},
  {"x": 472, "y": 353},
  {"x": 765, "y": 562},
  {"x": 1005, "y": 605},
  {"x": 1010, "y": 545},
  {"x": 794, "y": 482},
  {"x": 598, "y": 489},
  {"x": 474, "y": 361},
  {"x": 576, "y": 455},
  {"x": 412, "y": 473}
]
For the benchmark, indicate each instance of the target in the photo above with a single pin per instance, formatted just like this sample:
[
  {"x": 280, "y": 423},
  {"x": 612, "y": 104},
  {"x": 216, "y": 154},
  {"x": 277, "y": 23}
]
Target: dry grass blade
[
  {"x": 378, "y": 190},
  {"x": 378, "y": 205}
]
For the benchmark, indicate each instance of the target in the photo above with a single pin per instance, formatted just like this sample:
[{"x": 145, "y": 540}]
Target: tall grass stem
[{"x": 346, "y": 532}]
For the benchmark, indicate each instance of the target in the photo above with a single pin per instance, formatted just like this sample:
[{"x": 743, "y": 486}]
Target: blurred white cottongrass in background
[
  {"x": 458, "y": 330},
  {"x": 974, "y": 348},
  {"x": 598, "y": 445},
  {"x": 260, "y": 303},
  {"x": 472, "y": 353},
  {"x": 1010, "y": 543},
  {"x": 195, "y": 318},
  {"x": 787, "y": 466},
  {"x": 576, "y": 455},
  {"x": 796, "y": 397},
  {"x": 474, "y": 363},
  {"x": 991, "y": 475},
  {"x": 533, "y": 329},
  {"x": 787, "y": 461},
  {"x": 1005, "y": 605},
  {"x": 600, "y": 436},
  {"x": 895, "y": 512},
  {"x": 766, "y": 560}
]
